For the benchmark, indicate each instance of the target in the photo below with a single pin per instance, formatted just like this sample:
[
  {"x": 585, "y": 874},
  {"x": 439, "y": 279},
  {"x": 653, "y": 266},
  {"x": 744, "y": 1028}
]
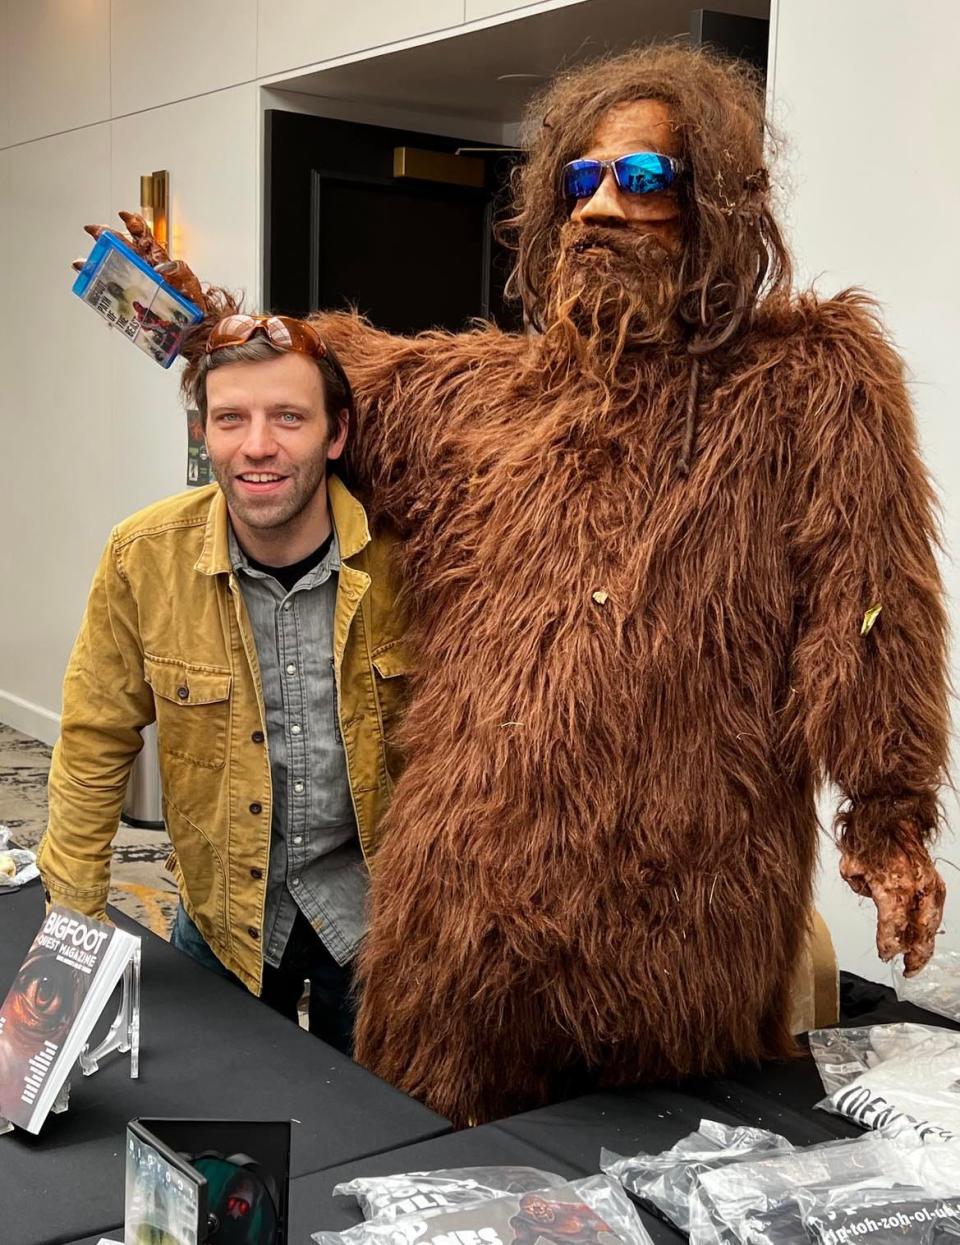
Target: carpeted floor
[{"x": 140, "y": 887}]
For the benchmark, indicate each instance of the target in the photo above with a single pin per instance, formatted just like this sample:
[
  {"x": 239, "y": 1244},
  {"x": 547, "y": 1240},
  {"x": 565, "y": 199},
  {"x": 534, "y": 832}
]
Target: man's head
[
  {"x": 690, "y": 258},
  {"x": 273, "y": 418}
]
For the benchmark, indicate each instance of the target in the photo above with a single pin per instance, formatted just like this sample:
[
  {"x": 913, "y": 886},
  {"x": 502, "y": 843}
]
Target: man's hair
[
  {"x": 733, "y": 252},
  {"x": 338, "y": 396}
]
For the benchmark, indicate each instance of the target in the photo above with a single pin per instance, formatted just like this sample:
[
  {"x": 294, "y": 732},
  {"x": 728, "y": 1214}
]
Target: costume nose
[{"x": 605, "y": 206}]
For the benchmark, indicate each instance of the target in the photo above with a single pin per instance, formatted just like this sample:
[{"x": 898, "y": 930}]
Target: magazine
[{"x": 56, "y": 998}]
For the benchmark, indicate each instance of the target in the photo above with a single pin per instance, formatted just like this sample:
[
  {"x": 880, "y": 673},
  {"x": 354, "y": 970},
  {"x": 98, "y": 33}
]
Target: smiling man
[{"x": 256, "y": 621}]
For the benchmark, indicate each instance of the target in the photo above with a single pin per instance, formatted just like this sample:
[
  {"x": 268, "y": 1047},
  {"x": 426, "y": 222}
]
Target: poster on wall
[{"x": 198, "y": 461}]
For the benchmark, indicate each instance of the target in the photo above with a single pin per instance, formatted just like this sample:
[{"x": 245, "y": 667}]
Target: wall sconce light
[{"x": 155, "y": 204}]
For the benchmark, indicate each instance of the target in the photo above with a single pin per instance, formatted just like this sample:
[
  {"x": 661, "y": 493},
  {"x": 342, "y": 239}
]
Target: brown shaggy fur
[
  {"x": 630, "y": 682},
  {"x": 602, "y": 847}
]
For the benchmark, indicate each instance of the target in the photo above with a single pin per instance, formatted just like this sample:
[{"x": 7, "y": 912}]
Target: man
[
  {"x": 256, "y": 621},
  {"x": 672, "y": 564}
]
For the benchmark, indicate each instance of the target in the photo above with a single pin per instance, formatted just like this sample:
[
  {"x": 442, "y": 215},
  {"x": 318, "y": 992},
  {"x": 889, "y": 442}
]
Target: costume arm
[
  {"x": 105, "y": 704},
  {"x": 401, "y": 385},
  {"x": 872, "y": 686}
]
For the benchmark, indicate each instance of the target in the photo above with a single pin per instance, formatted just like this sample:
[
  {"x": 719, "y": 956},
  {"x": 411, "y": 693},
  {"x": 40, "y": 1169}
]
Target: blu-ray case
[{"x": 132, "y": 297}]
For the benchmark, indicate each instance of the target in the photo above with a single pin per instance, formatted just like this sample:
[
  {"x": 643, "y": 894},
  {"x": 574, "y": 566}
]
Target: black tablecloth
[
  {"x": 208, "y": 1049},
  {"x": 567, "y": 1137}
]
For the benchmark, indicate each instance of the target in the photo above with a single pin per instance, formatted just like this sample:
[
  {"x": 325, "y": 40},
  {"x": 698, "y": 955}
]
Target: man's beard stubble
[{"x": 612, "y": 289}]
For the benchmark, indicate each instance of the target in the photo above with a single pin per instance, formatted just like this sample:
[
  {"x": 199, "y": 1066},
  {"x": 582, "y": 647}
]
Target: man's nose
[
  {"x": 604, "y": 205},
  {"x": 260, "y": 441}
]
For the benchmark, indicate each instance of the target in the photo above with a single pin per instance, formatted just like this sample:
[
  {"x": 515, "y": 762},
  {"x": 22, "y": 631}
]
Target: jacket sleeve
[
  {"x": 106, "y": 702},
  {"x": 871, "y": 686}
]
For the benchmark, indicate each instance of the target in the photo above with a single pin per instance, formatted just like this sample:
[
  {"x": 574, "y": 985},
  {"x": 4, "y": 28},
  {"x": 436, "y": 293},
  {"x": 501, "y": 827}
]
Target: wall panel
[
  {"x": 305, "y": 32},
  {"x": 207, "y": 46},
  {"x": 58, "y": 65},
  {"x": 55, "y": 509}
]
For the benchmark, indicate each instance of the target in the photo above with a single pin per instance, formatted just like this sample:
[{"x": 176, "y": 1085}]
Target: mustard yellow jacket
[{"x": 166, "y": 637}]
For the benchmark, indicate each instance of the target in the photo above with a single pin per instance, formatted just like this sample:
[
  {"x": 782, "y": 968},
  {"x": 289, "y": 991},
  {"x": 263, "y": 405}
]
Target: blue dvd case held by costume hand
[{"x": 131, "y": 296}]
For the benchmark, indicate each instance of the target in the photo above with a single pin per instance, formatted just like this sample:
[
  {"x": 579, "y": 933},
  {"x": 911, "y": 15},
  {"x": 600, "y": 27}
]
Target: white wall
[
  {"x": 91, "y": 429},
  {"x": 869, "y": 97}
]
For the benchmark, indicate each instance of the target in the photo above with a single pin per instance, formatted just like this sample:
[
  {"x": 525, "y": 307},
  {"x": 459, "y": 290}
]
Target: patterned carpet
[{"x": 139, "y": 886}]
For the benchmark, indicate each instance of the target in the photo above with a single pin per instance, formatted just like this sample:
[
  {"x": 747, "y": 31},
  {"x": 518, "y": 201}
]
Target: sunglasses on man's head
[
  {"x": 285, "y": 332},
  {"x": 639, "y": 173}
]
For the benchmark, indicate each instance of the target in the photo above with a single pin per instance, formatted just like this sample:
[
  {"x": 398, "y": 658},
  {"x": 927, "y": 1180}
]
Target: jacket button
[
  {"x": 256, "y": 808},
  {"x": 183, "y": 692},
  {"x": 256, "y": 873},
  {"x": 254, "y": 933},
  {"x": 257, "y": 737}
]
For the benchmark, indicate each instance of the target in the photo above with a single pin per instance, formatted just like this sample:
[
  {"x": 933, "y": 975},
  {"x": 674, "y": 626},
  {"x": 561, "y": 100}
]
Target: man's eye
[
  {"x": 289, "y": 417},
  {"x": 228, "y": 417}
]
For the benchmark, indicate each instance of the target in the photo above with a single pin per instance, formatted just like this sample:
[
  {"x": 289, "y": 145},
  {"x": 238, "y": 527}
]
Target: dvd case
[{"x": 132, "y": 297}]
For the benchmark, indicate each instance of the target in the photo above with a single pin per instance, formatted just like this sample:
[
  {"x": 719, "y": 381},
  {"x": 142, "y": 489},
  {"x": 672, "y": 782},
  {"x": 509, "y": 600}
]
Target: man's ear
[{"x": 337, "y": 443}]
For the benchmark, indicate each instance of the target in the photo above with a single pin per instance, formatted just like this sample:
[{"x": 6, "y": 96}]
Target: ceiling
[{"x": 470, "y": 74}]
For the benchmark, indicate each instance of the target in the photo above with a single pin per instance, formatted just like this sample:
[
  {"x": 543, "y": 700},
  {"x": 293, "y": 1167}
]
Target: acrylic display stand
[{"x": 123, "y": 1036}]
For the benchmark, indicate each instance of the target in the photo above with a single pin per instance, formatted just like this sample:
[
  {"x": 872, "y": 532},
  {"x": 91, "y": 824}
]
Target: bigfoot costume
[{"x": 645, "y": 550}]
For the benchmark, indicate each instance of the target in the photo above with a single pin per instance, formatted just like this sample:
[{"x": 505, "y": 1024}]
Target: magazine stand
[{"x": 123, "y": 1035}]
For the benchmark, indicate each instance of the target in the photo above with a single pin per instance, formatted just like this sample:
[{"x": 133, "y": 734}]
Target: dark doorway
[
  {"x": 743, "y": 37},
  {"x": 341, "y": 228}
]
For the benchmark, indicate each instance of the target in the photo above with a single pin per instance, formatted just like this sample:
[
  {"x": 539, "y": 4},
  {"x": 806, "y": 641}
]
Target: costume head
[{"x": 731, "y": 252}]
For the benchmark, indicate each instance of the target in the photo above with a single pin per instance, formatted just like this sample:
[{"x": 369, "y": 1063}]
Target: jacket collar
[{"x": 349, "y": 519}]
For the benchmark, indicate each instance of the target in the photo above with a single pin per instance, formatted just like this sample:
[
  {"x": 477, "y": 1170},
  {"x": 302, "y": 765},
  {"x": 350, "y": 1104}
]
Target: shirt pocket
[{"x": 193, "y": 709}]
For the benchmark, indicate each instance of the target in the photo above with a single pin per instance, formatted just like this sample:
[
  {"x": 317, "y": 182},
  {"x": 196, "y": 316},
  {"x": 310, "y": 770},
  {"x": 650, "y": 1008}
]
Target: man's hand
[
  {"x": 140, "y": 239},
  {"x": 909, "y": 894}
]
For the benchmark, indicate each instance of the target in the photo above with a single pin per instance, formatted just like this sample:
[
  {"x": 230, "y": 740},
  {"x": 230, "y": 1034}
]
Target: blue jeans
[{"x": 332, "y": 1006}]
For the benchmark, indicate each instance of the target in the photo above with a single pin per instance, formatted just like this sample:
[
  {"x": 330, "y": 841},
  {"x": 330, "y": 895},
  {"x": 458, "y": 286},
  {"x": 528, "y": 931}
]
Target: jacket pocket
[
  {"x": 393, "y": 666},
  {"x": 197, "y": 866},
  {"x": 193, "y": 709}
]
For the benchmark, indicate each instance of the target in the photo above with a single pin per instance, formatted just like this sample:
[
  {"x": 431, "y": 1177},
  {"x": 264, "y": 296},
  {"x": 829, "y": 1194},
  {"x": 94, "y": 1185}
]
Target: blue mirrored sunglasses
[{"x": 639, "y": 173}]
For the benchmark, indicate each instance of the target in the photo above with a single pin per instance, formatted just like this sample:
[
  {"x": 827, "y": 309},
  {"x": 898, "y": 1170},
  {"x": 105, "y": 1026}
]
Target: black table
[
  {"x": 207, "y": 1049},
  {"x": 568, "y": 1137}
]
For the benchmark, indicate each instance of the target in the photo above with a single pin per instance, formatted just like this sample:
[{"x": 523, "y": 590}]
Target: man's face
[
  {"x": 267, "y": 435},
  {"x": 643, "y": 125}
]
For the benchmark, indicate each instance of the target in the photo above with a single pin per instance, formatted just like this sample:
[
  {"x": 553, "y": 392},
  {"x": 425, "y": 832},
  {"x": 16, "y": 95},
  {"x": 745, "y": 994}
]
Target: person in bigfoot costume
[{"x": 669, "y": 563}]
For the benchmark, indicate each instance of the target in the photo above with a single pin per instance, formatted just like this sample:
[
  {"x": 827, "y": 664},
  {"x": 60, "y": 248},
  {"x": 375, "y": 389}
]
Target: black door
[{"x": 342, "y": 229}]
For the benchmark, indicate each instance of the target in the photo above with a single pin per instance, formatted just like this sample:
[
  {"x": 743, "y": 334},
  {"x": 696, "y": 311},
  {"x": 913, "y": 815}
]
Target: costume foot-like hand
[
  {"x": 909, "y": 894},
  {"x": 139, "y": 237}
]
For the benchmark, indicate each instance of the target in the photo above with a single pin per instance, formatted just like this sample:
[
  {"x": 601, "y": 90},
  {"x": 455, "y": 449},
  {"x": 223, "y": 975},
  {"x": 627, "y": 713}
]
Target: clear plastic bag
[
  {"x": 385, "y": 1198},
  {"x": 757, "y": 1201},
  {"x": 595, "y": 1211},
  {"x": 898, "y": 1077},
  {"x": 664, "y": 1181},
  {"x": 936, "y": 988},
  {"x": 880, "y": 1217},
  {"x": 24, "y": 861}
]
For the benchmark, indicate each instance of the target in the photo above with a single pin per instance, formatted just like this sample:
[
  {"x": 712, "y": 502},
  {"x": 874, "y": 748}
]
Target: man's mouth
[{"x": 260, "y": 481}]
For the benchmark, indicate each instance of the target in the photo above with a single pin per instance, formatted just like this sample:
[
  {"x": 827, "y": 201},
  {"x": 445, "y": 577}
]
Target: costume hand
[
  {"x": 141, "y": 240},
  {"x": 909, "y": 894}
]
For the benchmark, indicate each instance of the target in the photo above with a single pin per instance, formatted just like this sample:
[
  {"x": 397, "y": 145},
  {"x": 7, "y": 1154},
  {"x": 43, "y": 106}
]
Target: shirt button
[
  {"x": 298, "y": 787},
  {"x": 291, "y": 668},
  {"x": 298, "y": 839},
  {"x": 254, "y": 933},
  {"x": 183, "y": 692},
  {"x": 286, "y": 605},
  {"x": 256, "y": 808},
  {"x": 257, "y": 737},
  {"x": 295, "y": 729},
  {"x": 256, "y": 873},
  {"x": 295, "y": 882}
]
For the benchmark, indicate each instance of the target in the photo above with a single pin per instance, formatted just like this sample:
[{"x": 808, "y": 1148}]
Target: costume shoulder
[
  {"x": 838, "y": 359},
  {"x": 190, "y": 508}
]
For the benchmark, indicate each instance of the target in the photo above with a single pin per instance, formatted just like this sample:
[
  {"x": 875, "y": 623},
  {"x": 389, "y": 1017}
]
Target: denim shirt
[{"x": 315, "y": 859}]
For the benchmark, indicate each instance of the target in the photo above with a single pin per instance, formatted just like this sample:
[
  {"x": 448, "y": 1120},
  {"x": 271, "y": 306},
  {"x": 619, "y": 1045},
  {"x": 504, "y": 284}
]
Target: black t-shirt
[{"x": 289, "y": 576}]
